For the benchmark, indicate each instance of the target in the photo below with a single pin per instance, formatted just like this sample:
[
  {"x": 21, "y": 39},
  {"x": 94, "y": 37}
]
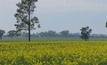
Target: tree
[
  {"x": 12, "y": 33},
  {"x": 85, "y": 33},
  {"x": 106, "y": 25},
  {"x": 47, "y": 34},
  {"x": 24, "y": 17},
  {"x": 51, "y": 33},
  {"x": 64, "y": 33},
  {"x": 1, "y": 33}
]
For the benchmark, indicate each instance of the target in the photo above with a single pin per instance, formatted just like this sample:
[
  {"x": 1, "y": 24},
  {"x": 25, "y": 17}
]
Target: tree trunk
[
  {"x": 0, "y": 37},
  {"x": 29, "y": 37},
  {"x": 29, "y": 34},
  {"x": 85, "y": 39}
]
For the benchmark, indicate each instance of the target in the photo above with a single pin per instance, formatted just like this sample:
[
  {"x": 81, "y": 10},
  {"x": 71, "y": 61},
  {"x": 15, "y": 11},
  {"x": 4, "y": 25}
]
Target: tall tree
[
  {"x": 85, "y": 33},
  {"x": 1, "y": 33},
  {"x": 24, "y": 17}
]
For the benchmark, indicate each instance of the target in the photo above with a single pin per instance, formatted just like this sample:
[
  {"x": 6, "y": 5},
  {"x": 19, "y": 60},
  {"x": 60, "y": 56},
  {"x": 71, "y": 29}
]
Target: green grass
[{"x": 49, "y": 39}]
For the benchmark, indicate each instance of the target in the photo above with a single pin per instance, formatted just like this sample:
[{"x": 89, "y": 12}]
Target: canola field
[{"x": 53, "y": 53}]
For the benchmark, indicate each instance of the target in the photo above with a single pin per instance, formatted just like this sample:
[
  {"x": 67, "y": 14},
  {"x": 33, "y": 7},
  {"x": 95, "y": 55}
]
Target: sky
[{"x": 59, "y": 15}]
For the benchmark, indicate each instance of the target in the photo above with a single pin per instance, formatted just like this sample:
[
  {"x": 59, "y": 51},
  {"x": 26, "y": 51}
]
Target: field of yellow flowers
[{"x": 53, "y": 53}]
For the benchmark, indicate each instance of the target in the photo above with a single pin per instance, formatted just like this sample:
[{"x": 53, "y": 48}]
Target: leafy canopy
[
  {"x": 85, "y": 33},
  {"x": 25, "y": 10}
]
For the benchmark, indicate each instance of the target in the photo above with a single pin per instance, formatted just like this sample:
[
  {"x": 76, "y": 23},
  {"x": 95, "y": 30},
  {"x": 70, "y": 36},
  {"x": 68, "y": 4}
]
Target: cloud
[
  {"x": 84, "y": 5},
  {"x": 51, "y": 5},
  {"x": 46, "y": 6},
  {"x": 71, "y": 5}
]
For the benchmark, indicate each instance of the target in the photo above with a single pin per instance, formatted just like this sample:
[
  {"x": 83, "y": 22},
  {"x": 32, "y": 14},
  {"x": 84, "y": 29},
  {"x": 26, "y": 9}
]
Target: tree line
[{"x": 51, "y": 33}]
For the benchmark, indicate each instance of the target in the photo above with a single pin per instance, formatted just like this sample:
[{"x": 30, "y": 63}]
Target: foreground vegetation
[{"x": 53, "y": 53}]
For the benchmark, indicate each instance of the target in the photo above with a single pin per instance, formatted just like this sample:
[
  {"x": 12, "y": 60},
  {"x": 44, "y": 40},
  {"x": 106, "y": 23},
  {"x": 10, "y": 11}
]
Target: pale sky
[{"x": 60, "y": 15}]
